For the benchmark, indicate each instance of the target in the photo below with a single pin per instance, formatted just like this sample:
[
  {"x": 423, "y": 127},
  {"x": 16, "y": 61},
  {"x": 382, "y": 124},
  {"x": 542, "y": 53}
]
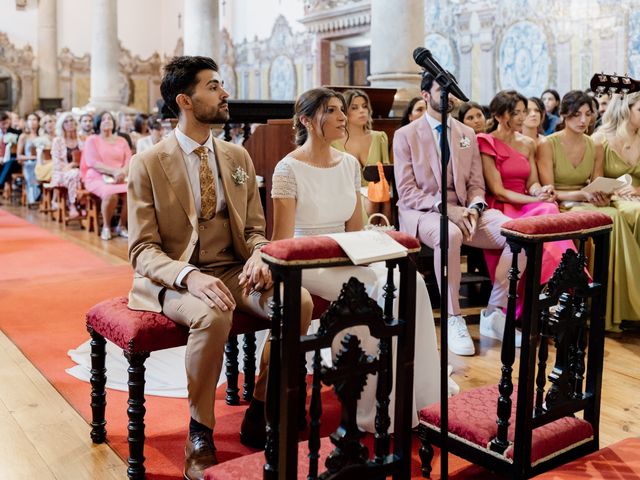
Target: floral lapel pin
[
  {"x": 239, "y": 176},
  {"x": 465, "y": 142}
]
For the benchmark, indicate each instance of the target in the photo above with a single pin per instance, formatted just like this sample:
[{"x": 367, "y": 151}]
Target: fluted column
[
  {"x": 105, "y": 50},
  {"x": 397, "y": 28},
  {"x": 201, "y": 28},
  {"x": 48, "y": 90}
]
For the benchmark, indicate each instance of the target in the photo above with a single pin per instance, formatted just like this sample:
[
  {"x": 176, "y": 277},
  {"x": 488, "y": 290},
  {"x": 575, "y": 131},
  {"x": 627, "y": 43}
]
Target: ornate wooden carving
[
  {"x": 348, "y": 377},
  {"x": 315, "y": 412},
  {"x": 272, "y": 412},
  {"x": 351, "y": 308}
]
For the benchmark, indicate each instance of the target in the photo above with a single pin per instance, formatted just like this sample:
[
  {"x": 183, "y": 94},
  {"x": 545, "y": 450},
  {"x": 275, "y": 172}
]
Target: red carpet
[{"x": 46, "y": 286}]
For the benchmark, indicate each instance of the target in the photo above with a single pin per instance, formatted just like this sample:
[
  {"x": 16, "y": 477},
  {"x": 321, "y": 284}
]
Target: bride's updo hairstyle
[{"x": 308, "y": 105}]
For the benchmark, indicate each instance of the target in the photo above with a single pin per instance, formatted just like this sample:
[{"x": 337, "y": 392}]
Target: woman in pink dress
[
  {"x": 106, "y": 156},
  {"x": 508, "y": 162}
]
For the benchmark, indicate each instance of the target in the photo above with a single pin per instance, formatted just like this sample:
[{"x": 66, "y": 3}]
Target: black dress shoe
[
  {"x": 253, "y": 431},
  {"x": 200, "y": 454}
]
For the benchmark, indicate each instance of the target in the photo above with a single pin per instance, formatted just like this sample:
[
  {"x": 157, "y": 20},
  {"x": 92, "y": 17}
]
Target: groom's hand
[
  {"x": 255, "y": 275},
  {"x": 211, "y": 290}
]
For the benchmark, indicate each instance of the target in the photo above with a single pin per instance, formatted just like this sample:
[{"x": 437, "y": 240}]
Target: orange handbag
[{"x": 379, "y": 192}]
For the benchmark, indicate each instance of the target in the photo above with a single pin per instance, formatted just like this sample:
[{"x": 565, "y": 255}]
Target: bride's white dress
[{"x": 325, "y": 200}]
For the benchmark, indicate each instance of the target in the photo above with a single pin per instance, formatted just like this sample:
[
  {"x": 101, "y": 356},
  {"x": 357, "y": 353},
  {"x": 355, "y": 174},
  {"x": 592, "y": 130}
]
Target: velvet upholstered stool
[
  {"x": 525, "y": 428},
  {"x": 139, "y": 333},
  {"x": 342, "y": 453}
]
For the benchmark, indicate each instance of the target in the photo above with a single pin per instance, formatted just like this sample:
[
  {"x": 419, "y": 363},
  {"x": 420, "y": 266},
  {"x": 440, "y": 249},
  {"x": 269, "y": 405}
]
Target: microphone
[{"x": 423, "y": 57}]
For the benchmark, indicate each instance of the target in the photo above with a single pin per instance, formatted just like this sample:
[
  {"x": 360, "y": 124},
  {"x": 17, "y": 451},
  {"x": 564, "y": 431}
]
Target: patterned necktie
[{"x": 207, "y": 185}]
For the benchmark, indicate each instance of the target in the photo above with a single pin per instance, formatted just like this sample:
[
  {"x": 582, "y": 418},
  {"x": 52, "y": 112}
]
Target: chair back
[{"x": 347, "y": 376}]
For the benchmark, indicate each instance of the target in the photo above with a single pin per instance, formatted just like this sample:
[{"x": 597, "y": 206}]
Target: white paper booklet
[
  {"x": 368, "y": 246},
  {"x": 608, "y": 185}
]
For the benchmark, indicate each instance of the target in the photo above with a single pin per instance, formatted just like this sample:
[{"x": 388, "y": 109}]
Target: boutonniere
[
  {"x": 239, "y": 176},
  {"x": 465, "y": 142}
]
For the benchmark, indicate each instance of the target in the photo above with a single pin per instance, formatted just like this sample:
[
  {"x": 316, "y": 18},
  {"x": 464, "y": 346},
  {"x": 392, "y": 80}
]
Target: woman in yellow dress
[
  {"x": 570, "y": 160},
  {"x": 367, "y": 145}
]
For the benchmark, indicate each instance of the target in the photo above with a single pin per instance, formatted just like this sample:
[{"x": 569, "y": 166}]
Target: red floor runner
[{"x": 46, "y": 286}]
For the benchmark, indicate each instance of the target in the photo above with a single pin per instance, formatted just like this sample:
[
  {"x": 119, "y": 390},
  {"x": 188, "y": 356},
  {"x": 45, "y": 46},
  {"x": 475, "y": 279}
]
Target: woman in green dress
[
  {"x": 569, "y": 159},
  {"x": 367, "y": 145}
]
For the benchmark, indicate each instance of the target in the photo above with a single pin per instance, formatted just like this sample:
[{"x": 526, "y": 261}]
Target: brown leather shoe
[{"x": 200, "y": 454}]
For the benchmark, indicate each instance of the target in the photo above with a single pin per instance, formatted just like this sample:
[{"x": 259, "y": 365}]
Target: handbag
[
  {"x": 380, "y": 227},
  {"x": 379, "y": 192}
]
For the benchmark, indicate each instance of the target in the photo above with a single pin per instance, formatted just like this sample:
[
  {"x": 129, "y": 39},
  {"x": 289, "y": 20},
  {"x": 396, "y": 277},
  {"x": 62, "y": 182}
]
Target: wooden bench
[{"x": 475, "y": 280}]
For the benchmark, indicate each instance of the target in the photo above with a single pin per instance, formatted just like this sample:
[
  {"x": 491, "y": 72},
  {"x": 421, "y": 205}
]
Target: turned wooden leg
[
  {"x": 249, "y": 349},
  {"x": 231, "y": 351},
  {"x": 136, "y": 413},
  {"x": 425, "y": 453},
  {"x": 98, "y": 392}
]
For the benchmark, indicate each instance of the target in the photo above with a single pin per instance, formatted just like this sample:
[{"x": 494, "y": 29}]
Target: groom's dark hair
[{"x": 180, "y": 77}]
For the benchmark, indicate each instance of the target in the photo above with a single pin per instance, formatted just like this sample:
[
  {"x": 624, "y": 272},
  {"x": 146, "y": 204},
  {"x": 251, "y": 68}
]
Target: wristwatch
[{"x": 478, "y": 207}]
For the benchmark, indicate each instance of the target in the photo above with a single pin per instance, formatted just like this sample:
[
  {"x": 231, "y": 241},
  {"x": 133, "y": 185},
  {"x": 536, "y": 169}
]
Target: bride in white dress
[{"x": 316, "y": 190}]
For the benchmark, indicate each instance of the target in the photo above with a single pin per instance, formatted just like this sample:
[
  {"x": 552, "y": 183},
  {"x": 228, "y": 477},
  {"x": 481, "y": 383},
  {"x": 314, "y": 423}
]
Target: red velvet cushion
[
  {"x": 250, "y": 466},
  {"x": 620, "y": 460},
  {"x": 472, "y": 416},
  {"x": 557, "y": 224},
  {"x": 320, "y": 248},
  {"x": 140, "y": 331}
]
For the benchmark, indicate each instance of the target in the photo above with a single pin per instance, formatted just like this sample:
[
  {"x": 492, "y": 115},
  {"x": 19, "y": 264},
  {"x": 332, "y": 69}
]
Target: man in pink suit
[{"x": 418, "y": 176}]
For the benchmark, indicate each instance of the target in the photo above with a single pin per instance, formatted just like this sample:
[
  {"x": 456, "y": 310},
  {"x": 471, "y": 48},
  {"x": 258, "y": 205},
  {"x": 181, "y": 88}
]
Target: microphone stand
[{"x": 444, "y": 81}]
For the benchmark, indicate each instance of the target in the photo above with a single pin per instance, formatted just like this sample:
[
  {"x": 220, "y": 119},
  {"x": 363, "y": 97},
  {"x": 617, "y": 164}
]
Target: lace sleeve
[
  {"x": 357, "y": 178},
  {"x": 284, "y": 181}
]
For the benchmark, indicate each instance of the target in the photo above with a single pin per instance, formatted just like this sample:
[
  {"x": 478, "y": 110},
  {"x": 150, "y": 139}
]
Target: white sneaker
[
  {"x": 105, "y": 233},
  {"x": 492, "y": 326},
  {"x": 122, "y": 232},
  {"x": 458, "y": 336}
]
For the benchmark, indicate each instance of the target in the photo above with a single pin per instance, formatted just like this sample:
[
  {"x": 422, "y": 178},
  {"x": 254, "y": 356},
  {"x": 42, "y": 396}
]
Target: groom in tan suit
[
  {"x": 417, "y": 168},
  {"x": 195, "y": 230}
]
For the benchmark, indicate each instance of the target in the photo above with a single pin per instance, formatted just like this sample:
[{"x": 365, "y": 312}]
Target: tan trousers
[{"x": 208, "y": 332}]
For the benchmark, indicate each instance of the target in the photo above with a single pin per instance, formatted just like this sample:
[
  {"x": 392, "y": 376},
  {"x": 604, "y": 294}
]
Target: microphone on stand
[{"x": 423, "y": 57}]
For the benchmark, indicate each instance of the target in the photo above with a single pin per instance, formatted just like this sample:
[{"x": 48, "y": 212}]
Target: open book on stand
[
  {"x": 368, "y": 246},
  {"x": 608, "y": 185}
]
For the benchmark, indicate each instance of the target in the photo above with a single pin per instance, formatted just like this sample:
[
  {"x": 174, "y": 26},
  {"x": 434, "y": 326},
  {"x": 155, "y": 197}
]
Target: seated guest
[
  {"x": 532, "y": 125},
  {"x": 414, "y": 110},
  {"x": 570, "y": 160},
  {"x": 417, "y": 171},
  {"x": 124, "y": 127},
  {"x": 511, "y": 176},
  {"x": 551, "y": 100},
  {"x": 140, "y": 129},
  {"x": 156, "y": 132},
  {"x": 9, "y": 137},
  {"x": 195, "y": 246},
  {"x": 44, "y": 162},
  {"x": 316, "y": 190},
  {"x": 106, "y": 156},
  {"x": 368, "y": 146},
  {"x": 27, "y": 156},
  {"x": 65, "y": 154},
  {"x": 471, "y": 114},
  {"x": 85, "y": 128}
]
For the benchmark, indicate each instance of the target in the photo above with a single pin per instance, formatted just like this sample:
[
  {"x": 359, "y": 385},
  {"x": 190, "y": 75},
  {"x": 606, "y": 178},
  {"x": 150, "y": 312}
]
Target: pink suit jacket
[{"x": 417, "y": 170}]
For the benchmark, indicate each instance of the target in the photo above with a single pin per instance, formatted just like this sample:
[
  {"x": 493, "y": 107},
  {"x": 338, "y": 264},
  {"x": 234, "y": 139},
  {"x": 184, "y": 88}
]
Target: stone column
[
  {"x": 48, "y": 90},
  {"x": 105, "y": 50},
  {"x": 397, "y": 28},
  {"x": 201, "y": 28}
]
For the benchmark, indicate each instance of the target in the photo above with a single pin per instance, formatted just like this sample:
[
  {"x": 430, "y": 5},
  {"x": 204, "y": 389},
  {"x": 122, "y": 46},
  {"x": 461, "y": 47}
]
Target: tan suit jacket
[{"x": 163, "y": 223}]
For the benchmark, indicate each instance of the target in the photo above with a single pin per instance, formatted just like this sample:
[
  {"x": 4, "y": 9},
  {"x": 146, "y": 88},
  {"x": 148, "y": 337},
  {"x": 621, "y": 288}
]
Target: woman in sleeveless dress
[
  {"x": 508, "y": 162},
  {"x": 316, "y": 190},
  {"x": 569, "y": 160},
  {"x": 27, "y": 156},
  {"x": 368, "y": 146}
]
